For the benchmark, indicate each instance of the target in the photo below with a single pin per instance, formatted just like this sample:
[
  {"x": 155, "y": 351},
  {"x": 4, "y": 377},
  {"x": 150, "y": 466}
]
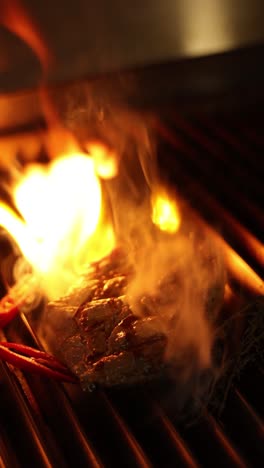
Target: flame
[
  {"x": 62, "y": 229},
  {"x": 15, "y": 17},
  {"x": 165, "y": 212},
  {"x": 62, "y": 226},
  {"x": 105, "y": 160}
]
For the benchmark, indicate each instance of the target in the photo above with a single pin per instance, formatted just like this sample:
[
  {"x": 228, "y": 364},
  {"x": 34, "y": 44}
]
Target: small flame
[
  {"x": 105, "y": 160},
  {"x": 165, "y": 213},
  {"x": 62, "y": 229}
]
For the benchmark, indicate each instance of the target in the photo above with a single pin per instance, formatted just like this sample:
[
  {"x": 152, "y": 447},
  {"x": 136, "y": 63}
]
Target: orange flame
[
  {"x": 105, "y": 160},
  {"x": 14, "y": 16},
  {"x": 62, "y": 229},
  {"x": 165, "y": 212}
]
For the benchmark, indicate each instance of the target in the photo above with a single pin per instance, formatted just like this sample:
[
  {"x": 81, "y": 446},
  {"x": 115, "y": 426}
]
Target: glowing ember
[
  {"x": 165, "y": 213},
  {"x": 62, "y": 228}
]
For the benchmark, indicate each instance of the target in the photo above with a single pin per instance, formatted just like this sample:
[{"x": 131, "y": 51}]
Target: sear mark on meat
[
  {"x": 112, "y": 347},
  {"x": 101, "y": 340},
  {"x": 98, "y": 336}
]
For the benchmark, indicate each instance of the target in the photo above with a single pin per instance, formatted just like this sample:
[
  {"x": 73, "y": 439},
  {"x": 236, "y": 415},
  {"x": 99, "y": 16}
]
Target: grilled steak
[{"x": 97, "y": 334}]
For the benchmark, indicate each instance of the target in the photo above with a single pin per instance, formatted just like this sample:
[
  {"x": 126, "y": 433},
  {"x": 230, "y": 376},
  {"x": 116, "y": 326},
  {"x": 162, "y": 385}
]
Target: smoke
[{"x": 179, "y": 277}]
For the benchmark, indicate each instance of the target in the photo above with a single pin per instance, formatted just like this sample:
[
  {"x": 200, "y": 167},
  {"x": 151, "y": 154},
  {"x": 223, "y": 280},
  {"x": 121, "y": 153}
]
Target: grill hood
[{"x": 188, "y": 51}]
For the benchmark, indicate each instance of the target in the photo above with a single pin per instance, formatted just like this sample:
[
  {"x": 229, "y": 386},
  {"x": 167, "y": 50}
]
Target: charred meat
[{"x": 97, "y": 334}]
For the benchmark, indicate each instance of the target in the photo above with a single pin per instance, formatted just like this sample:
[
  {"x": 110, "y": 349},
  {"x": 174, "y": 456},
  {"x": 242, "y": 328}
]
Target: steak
[{"x": 95, "y": 332}]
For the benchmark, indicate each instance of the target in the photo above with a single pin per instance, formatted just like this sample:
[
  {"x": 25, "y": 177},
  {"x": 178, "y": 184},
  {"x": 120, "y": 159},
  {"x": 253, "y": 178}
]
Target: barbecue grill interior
[{"x": 207, "y": 103}]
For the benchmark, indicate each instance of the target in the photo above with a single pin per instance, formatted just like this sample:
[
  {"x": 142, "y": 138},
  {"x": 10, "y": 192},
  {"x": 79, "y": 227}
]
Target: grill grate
[{"x": 45, "y": 424}]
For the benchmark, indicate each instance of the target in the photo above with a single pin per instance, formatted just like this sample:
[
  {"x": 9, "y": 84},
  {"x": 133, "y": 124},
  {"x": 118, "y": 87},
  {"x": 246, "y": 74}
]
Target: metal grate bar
[
  {"x": 56, "y": 411},
  {"x": 233, "y": 231},
  {"x": 221, "y": 152},
  {"x": 7, "y": 455},
  {"x": 161, "y": 441},
  {"x": 139, "y": 455},
  {"x": 63, "y": 426},
  {"x": 60, "y": 412},
  {"x": 211, "y": 446},
  {"x": 244, "y": 134},
  {"x": 219, "y": 182},
  {"x": 233, "y": 453},
  {"x": 252, "y": 387},
  {"x": 187, "y": 458},
  {"x": 254, "y": 138},
  {"x": 248, "y": 409},
  {"x": 107, "y": 430},
  {"x": 235, "y": 264},
  {"x": 183, "y": 169},
  {"x": 36, "y": 451},
  {"x": 234, "y": 148},
  {"x": 243, "y": 147},
  {"x": 244, "y": 427}
]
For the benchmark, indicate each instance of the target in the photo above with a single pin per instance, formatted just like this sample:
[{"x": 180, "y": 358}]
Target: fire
[
  {"x": 105, "y": 161},
  {"x": 62, "y": 227},
  {"x": 60, "y": 223},
  {"x": 17, "y": 19},
  {"x": 165, "y": 213}
]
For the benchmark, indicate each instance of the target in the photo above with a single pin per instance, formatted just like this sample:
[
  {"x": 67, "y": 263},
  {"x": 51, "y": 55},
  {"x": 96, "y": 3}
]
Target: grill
[{"x": 215, "y": 163}]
